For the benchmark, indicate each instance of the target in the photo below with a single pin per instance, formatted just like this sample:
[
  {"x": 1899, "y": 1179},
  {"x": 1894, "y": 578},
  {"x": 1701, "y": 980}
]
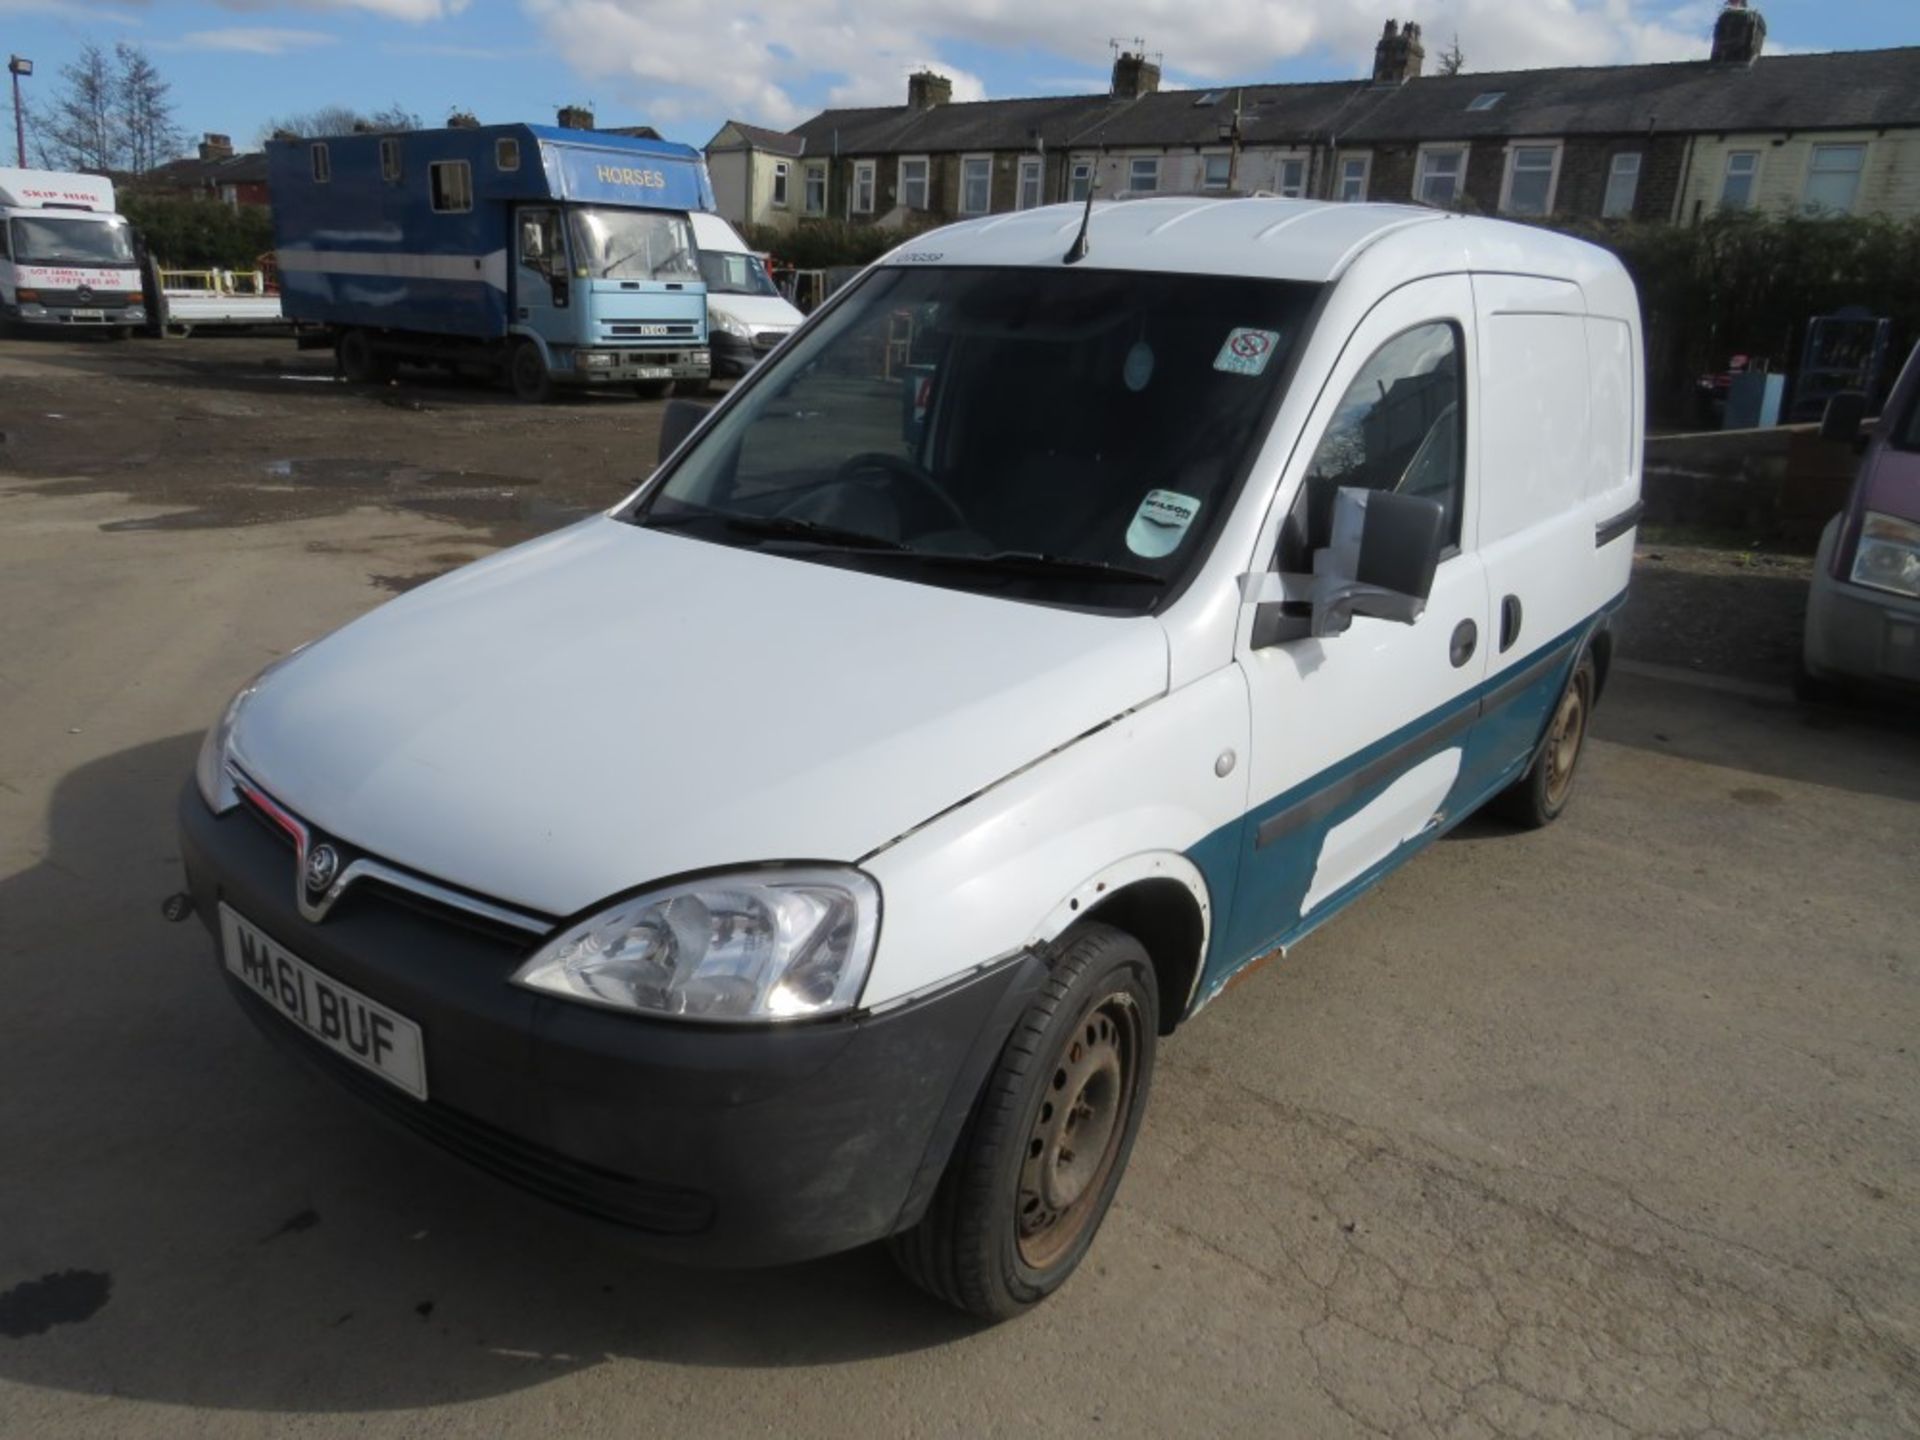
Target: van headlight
[
  {"x": 730, "y": 325},
  {"x": 216, "y": 749},
  {"x": 1888, "y": 557},
  {"x": 755, "y": 945}
]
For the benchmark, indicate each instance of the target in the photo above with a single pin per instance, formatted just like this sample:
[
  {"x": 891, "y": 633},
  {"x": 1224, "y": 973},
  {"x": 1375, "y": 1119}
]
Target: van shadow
[{"x": 189, "y": 1217}]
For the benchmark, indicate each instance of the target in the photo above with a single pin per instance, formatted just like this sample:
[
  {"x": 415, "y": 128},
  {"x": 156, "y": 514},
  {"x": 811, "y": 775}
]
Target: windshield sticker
[
  {"x": 1247, "y": 351},
  {"x": 1139, "y": 367},
  {"x": 1161, "y": 523}
]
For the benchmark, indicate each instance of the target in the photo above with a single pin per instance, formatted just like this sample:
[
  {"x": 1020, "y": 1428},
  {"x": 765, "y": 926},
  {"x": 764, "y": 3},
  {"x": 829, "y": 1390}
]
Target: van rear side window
[
  {"x": 452, "y": 184},
  {"x": 322, "y": 164}
]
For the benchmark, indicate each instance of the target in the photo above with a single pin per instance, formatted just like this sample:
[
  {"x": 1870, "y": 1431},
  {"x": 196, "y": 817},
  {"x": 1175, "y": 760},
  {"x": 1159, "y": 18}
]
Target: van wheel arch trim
[{"x": 1095, "y": 897}]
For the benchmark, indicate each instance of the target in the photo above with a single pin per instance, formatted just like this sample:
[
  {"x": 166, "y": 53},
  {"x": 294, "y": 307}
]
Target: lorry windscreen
[
  {"x": 633, "y": 245},
  {"x": 1068, "y": 436},
  {"x": 728, "y": 272},
  {"x": 55, "y": 240}
]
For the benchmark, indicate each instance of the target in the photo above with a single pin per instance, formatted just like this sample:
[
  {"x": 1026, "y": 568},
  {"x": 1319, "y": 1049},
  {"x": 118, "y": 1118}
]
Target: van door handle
[
  {"x": 1510, "y": 614},
  {"x": 1466, "y": 635}
]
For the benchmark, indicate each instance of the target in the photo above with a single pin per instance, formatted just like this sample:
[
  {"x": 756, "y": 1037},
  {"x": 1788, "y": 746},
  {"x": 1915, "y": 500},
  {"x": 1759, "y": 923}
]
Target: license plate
[
  {"x": 339, "y": 1017},
  {"x": 654, "y": 372},
  {"x": 89, "y": 314}
]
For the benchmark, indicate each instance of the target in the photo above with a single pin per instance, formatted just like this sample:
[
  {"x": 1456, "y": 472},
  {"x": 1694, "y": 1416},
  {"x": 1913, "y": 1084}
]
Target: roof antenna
[{"x": 1078, "y": 250}]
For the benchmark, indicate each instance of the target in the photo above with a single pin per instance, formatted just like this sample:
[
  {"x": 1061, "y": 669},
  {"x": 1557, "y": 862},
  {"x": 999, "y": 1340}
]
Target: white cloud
[
  {"x": 412, "y": 11},
  {"x": 775, "y": 62},
  {"x": 249, "y": 40}
]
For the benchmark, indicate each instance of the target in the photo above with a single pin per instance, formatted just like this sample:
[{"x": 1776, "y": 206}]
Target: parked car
[
  {"x": 1863, "y": 608},
  {"x": 815, "y": 848},
  {"x": 746, "y": 315}
]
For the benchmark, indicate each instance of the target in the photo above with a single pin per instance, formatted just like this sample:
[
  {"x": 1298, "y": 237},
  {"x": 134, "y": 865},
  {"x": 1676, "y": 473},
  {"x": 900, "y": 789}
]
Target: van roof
[{"x": 1310, "y": 240}]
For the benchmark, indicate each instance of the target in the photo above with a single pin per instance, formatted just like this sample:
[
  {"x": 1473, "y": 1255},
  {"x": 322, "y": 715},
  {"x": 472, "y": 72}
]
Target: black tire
[
  {"x": 652, "y": 389},
  {"x": 359, "y": 362},
  {"x": 1538, "y": 797},
  {"x": 528, "y": 375},
  {"x": 1018, "y": 1208},
  {"x": 1811, "y": 689}
]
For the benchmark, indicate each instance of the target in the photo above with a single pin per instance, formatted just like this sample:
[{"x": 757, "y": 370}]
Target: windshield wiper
[
  {"x": 775, "y": 527},
  {"x": 1039, "y": 566}
]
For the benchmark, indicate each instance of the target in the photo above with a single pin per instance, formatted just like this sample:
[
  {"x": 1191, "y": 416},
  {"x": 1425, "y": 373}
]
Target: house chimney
[
  {"x": 1399, "y": 55},
  {"x": 216, "y": 147},
  {"x": 926, "y": 90},
  {"x": 1738, "y": 34},
  {"x": 576, "y": 117},
  {"x": 1134, "y": 76}
]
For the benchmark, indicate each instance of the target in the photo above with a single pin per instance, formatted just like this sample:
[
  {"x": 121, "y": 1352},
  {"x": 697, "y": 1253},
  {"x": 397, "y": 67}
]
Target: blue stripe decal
[{"x": 1257, "y": 897}]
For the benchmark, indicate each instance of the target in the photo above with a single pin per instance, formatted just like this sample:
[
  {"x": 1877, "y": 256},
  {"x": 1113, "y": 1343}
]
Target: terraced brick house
[{"x": 1831, "y": 133}]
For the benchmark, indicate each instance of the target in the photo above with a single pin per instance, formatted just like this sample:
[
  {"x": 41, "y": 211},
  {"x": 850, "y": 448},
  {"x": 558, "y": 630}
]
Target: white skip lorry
[{"x": 66, "y": 258}]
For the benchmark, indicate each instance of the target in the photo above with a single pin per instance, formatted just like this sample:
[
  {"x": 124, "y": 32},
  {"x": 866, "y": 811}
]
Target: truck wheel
[
  {"x": 1538, "y": 797},
  {"x": 527, "y": 373},
  {"x": 360, "y": 363},
  {"x": 1038, "y": 1164}
]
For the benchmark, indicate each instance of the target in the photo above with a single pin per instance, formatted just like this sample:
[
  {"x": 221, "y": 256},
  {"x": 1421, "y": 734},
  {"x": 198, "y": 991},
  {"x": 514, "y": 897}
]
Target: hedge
[{"x": 199, "y": 234}]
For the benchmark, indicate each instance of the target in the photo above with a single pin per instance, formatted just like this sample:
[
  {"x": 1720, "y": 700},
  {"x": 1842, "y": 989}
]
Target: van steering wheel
[{"x": 896, "y": 465}]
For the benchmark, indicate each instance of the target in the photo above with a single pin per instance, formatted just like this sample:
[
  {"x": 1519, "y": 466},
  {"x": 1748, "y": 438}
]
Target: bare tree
[
  {"x": 81, "y": 130},
  {"x": 1452, "y": 60},
  {"x": 341, "y": 120},
  {"x": 146, "y": 111}
]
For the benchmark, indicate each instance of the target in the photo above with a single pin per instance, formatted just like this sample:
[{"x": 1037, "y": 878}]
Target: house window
[
  {"x": 976, "y": 184},
  {"x": 1623, "y": 184},
  {"x": 1833, "y": 179},
  {"x": 506, "y": 154},
  {"x": 1143, "y": 174},
  {"x": 1531, "y": 172},
  {"x": 1441, "y": 175},
  {"x": 863, "y": 181},
  {"x": 1080, "y": 180},
  {"x": 780, "y": 172},
  {"x": 1216, "y": 170},
  {"x": 913, "y": 183},
  {"x": 322, "y": 163},
  {"x": 1031, "y": 169},
  {"x": 451, "y": 183},
  {"x": 1736, "y": 190},
  {"x": 1487, "y": 100},
  {"x": 813, "y": 199},
  {"x": 1290, "y": 178},
  {"x": 1353, "y": 177},
  {"x": 390, "y": 161}
]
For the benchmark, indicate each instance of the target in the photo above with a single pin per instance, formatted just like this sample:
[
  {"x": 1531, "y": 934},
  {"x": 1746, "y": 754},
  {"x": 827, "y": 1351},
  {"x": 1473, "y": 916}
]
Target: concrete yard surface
[{"x": 1607, "y": 1130}]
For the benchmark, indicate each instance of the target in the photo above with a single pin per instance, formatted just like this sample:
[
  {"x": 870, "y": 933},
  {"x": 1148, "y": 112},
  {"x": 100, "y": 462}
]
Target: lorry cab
[
  {"x": 1082, "y": 607},
  {"x": 67, "y": 260},
  {"x": 746, "y": 313},
  {"x": 551, "y": 256}
]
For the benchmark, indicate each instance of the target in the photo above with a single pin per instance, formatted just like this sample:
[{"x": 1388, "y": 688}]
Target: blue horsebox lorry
[{"x": 553, "y": 257}]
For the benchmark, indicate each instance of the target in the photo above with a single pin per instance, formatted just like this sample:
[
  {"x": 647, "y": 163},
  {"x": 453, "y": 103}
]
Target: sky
[{"x": 685, "y": 66}]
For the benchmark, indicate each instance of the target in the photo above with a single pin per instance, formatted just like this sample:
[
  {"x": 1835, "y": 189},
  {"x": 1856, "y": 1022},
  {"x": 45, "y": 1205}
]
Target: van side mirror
[
  {"x": 680, "y": 419},
  {"x": 1841, "y": 420},
  {"x": 1381, "y": 560}
]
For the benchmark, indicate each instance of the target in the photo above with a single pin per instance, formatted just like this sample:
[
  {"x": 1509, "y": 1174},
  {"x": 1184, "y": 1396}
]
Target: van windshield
[
  {"x": 728, "y": 272},
  {"x": 633, "y": 245},
  {"x": 1067, "y": 436},
  {"x": 57, "y": 240}
]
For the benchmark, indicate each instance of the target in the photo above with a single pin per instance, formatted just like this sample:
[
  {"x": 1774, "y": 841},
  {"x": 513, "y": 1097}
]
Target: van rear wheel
[
  {"x": 527, "y": 373},
  {"x": 1538, "y": 797},
  {"x": 1037, "y": 1167},
  {"x": 360, "y": 362}
]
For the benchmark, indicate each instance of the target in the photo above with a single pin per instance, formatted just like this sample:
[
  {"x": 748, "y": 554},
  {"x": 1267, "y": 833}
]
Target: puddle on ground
[{"x": 510, "y": 505}]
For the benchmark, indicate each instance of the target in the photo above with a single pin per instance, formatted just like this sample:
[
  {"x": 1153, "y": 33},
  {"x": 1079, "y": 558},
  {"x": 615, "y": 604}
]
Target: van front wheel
[
  {"x": 1043, "y": 1152},
  {"x": 527, "y": 374},
  {"x": 1538, "y": 797}
]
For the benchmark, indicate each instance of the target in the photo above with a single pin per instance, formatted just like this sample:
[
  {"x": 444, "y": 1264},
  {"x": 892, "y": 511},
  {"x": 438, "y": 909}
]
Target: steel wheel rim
[
  {"x": 1563, "y": 743},
  {"x": 1078, "y": 1130}
]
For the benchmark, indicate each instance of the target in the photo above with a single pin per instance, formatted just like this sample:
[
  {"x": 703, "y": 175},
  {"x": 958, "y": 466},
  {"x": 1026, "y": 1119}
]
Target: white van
[
  {"x": 746, "y": 314},
  {"x": 66, "y": 259},
  {"x": 813, "y": 849}
]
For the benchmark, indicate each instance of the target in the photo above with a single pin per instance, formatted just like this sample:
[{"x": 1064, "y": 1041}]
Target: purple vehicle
[{"x": 1863, "y": 616}]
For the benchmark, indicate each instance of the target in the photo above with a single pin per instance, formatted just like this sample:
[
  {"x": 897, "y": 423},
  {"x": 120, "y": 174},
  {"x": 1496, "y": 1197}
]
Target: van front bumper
[
  {"x": 88, "y": 317},
  {"x": 713, "y": 1145},
  {"x": 1855, "y": 632}
]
